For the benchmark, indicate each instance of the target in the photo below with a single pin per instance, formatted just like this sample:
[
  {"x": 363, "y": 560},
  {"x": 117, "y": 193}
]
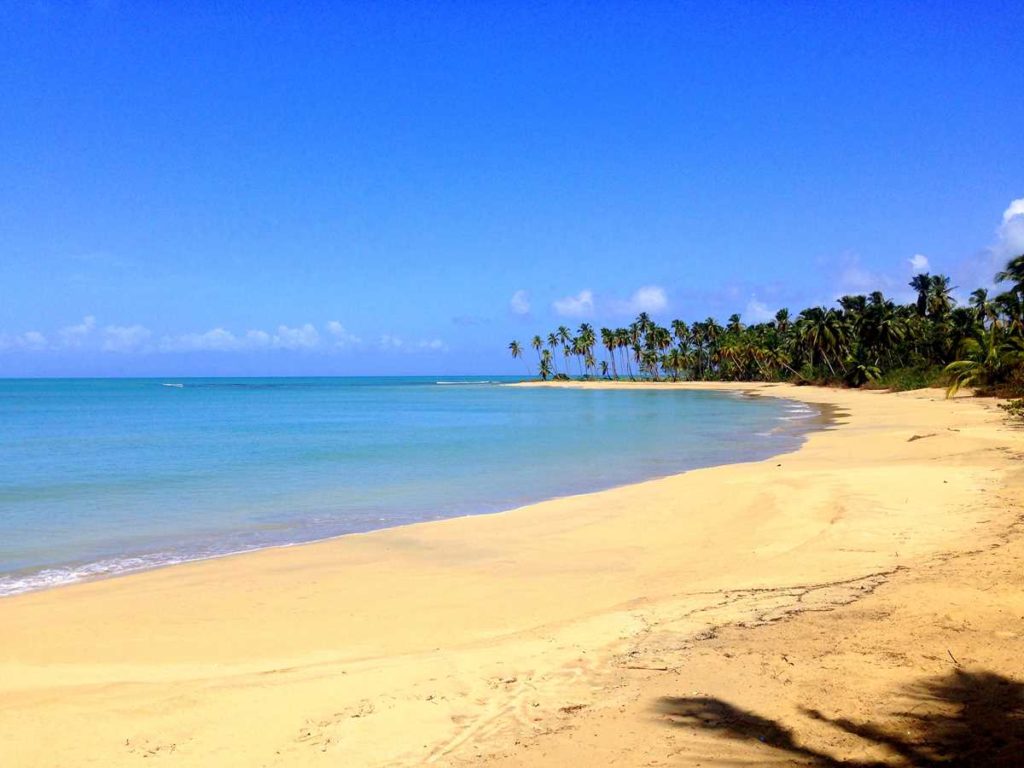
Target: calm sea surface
[{"x": 99, "y": 477}]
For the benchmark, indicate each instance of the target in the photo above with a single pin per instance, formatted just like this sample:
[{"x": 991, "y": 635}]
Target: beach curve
[{"x": 450, "y": 641}]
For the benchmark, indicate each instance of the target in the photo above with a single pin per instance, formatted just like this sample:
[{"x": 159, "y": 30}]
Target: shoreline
[
  {"x": 821, "y": 420},
  {"x": 489, "y": 636}
]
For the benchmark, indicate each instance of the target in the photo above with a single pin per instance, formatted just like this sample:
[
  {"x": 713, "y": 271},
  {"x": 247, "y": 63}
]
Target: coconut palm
[
  {"x": 609, "y": 342},
  {"x": 1013, "y": 273},
  {"x": 537, "y": 343},
  {"x": 782, "y": 320},
  {"x": 552, "y": 346},
  {"x": 940, "y": 299},
  {"x": 516, "y": 352},
  {"x": 922, "y": 283},
  {"x": 856, "y": 341},
  {"x": 545, "y": 365}
]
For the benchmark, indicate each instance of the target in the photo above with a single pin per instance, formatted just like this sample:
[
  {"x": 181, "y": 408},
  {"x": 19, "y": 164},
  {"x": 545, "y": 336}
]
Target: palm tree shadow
[{"x": 963, "y": 719}]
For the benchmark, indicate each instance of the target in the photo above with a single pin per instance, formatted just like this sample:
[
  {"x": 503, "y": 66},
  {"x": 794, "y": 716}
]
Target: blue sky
[{"x": 404, "y": 187}]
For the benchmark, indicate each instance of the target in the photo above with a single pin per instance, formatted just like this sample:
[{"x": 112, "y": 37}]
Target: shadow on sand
[{"x": 963, "y": 719}]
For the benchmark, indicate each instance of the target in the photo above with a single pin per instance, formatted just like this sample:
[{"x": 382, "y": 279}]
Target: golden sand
[{"x": 882, "y": 551}]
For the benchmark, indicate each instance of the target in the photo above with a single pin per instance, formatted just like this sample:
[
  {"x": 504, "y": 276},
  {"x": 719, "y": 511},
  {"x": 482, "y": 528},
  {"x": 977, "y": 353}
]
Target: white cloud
[
  {"x": 258, "y": 339},
  {"x": 1015, "y": 209},
  {"x": 74, "y": 335},
  {"x": 124, "y": 338},
  {"x": 519, "y": 304},
  {"x": 649, "y": 298},
  {"x": 757, "y": 311},
  {"x": 856, "y": 279},
  {"x": 138, "y": 338},
  {"x": 387, "y": 341},
  {"x": 391, "y": 343},
  {"x": 217, "y": 339},
  {"x": 1008, "y": 243},
  {"x": 33, "y": 340},
  {"x": 919, "y": 262},
  {"x": 579, "y": 305},
  {"x": 303, "y": 337},
  {"x": 1010, "y": 235},
  {"x": 30, "y": 340},
  {"x": 340, "y": 336}
]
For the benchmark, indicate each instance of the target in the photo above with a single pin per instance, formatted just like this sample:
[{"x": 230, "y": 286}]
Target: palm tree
[
  {"x": 1014, "y": 273},
  {"x": 823, "y": 335},
  {"x": 609, "y": 342},
  {"x": 587, "y": 340},
  {"x": 782, "y": 320},
  {"x": 940, "y": 299},
  {"x": 545, "y": 365},
  {"x": 986, "y": 362},
  {"x": 922, "y": 283},
  {"x": 552, "y": 346},
  {"x": 865, "y": 336},
  {"x": 623, "y": 339},
  {"x": 537, "y": 343},
  {"x": 517, "y": 351},
  {"x": 565, "y": 339}
]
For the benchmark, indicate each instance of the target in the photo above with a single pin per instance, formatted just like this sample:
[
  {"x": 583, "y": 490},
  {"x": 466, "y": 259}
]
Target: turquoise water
[{"x": 99, "y": 477}]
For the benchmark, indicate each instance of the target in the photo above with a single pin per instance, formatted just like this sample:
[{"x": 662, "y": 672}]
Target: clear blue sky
[{"x": 363, "y": 188}]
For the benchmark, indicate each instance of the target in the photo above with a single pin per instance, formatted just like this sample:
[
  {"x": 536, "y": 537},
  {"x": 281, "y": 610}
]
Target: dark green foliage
[{"x": 865, "y": 341}]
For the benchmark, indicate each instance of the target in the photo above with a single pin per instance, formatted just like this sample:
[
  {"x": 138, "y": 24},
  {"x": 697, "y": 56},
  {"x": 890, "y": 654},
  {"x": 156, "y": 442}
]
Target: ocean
[{"x": 100, "y": 477}]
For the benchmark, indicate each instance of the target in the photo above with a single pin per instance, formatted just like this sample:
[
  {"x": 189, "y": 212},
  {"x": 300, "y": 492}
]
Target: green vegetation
[{"x": 865, "y": 341}]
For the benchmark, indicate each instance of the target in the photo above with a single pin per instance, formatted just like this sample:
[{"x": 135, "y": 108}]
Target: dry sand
[{"x": 860, "y": 598}]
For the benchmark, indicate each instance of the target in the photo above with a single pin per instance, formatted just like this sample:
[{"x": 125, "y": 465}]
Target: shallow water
[{"x": 99, "y": 477}]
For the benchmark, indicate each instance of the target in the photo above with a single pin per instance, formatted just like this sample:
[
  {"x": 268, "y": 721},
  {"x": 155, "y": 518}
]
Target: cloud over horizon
[
  {"x": 124, "y": 338},
  {"x": 137, "y": 338}
]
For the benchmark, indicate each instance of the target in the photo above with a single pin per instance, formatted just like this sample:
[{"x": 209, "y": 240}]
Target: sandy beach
[{"x": 788, "y": 609}]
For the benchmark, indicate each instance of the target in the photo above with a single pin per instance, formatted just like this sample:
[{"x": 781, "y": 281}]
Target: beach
[{"x": 884, "y": 552}]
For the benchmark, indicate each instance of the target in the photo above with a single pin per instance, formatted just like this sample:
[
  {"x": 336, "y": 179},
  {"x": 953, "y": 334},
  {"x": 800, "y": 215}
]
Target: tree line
[{"x": 864, "y": 339}]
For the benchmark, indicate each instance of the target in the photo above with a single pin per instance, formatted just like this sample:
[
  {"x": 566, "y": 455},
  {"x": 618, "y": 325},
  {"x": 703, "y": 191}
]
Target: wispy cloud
[
  {"x": 580, "y": 305},
  {"x": 855, "y": 278},
  {"x": 757, "y": 311},
  {"x": 30, "y": 340},
  {"x": 649, "y": 298},
  {"x": 302, "y": 337},
  {"x": 214, "y": 340},
  {"x": 75, "y": 335},
  {"x": 519, "y": 304},
  {"x": 469, "y": 320},
  {"x": 124, "y": 338},
  {"x": 1008, "y": 242},
  {"x": 87, "y": 336},
  {"x": 340, "y": 336},
  {"x": 391, "y": 343}
]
